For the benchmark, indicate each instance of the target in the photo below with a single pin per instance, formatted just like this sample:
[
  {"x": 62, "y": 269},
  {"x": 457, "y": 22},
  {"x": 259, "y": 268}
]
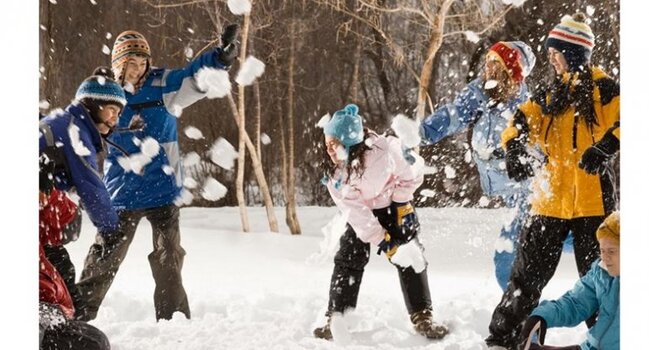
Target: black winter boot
[
  {"x": 324, "y": 332},
  {"x": 424, "y": 325}
]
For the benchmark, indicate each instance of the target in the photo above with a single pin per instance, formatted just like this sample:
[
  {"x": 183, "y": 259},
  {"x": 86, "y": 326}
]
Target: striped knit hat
[
  {"x": 102, "y": 90},
  {"x": 516, "y": 56},
  {"x": 129, "y": 43},
  {"x": 574, "y": 38}
]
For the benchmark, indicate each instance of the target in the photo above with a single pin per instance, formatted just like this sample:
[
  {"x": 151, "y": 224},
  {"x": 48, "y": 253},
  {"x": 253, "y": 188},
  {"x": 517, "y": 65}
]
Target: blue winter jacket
[
  {"x": 596, "y": 291},
  {"x": 76, "y": 134},
  {"x": 163, "y": 93},
  {"x": 470, "y": 106}
]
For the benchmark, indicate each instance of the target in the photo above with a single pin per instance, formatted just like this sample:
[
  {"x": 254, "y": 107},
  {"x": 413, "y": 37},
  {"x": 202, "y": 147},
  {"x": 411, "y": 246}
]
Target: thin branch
[
  {"x": 159, "y": 6},
  {"x": 487, "y": 28}
]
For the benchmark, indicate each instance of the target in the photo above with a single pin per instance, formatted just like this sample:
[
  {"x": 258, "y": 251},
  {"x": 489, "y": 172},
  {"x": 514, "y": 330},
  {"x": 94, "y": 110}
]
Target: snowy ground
[{"x": 265, "y": 290}]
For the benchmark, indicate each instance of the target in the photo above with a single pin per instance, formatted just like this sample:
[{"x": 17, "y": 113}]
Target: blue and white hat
[
  {"x": 102, "y": 89},
  {"x": 346, "y": 126}
]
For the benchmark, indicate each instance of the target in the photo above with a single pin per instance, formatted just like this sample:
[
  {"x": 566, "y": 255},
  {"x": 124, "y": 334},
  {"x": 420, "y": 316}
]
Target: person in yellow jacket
[{"x": 575, "y": 123}]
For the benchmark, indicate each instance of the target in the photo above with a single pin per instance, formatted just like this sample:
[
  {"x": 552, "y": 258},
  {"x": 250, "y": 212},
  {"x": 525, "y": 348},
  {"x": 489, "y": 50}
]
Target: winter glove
[
  {"x": 517, "y": 161},
  {"x": 106, "y": 243},
  {"x": 402, "y": 230},
  {"x": 594, "y": 159},
  {"x": 388, "y": 246},
  {"x": 533, "y": 326},
  {"x": 229, "y": 49}
]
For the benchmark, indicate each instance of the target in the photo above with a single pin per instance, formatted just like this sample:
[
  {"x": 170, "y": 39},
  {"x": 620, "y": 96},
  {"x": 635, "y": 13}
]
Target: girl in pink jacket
[{"x": 372, "y": 184}]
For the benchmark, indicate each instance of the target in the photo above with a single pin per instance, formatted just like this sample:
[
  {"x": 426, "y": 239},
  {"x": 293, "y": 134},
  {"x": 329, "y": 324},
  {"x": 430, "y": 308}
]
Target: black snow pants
[
  {"x": 349, "y": 265},
  {"x": 166, "y": 262},
  {"x": 539, "y": 251}
]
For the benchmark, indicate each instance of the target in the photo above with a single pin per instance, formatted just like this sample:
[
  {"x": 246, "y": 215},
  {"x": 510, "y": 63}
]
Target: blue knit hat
[
  {"x": 101, "y": 89},
  {"x": 346, "y": 126},
  {"x": 574, "y": 38}
]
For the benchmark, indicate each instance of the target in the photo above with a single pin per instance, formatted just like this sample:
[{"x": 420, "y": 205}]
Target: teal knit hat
[
  {"x": 346, "y": 126},
  {"x": 102, "y": 89}
]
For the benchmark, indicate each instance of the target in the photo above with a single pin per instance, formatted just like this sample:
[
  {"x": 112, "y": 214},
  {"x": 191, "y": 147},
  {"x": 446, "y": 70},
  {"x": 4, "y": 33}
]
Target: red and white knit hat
[{"x": 516, "y": 56}]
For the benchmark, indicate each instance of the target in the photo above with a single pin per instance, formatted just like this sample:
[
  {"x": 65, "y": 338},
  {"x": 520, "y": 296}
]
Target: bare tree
[{"x": 291, "y": 214}]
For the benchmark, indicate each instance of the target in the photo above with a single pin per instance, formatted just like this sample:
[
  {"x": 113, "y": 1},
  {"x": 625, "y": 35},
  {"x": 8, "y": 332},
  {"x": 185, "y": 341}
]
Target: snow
[
  {"x": 263, "y": 290},
  {"x": 213, "y": 190},
  {"x": 590, "y": 10},
  {"x": 43, "y": 104},
  {"x": 93, "y": 2},
  {"x": 149, "y": 148},
  {"x": 239, "y": 7},
  {"x": 323, "y": 121},
  {"x": 190, "y": 30},
  {"x": 108, "y": 35},
  {"x": 216, "y": 82},
  {"x": 190, "y": 183},
  {"x": 189, "y": 53},
  {"x": 251, "y": 69},
  {"x": 410, "y": 255},
  {"x": 407, "y": 130},
  {"x": 223, "y": 154},
  {"x": 515, "y": 3},
  {"x": 191, "y": 159},
  {"x": 472, "y": 36},
  {"x": 105, "y": 49},
  {"x": 490, "y": 84},
  {"x": 265, "y": 139},
  {"x": 427, "y": 193},
  {"x": 77, "y": 144},
  {"x": 449, "y": 171},
  {"x": 193, "y": 133}
]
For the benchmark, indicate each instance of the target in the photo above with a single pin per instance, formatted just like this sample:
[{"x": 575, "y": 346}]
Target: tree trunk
[
  {"x": 434, "y": 43},
  {"x": 291, "y": 215},
  {"x": 255, "y": 88},
  {"x": 282, "y": 136},
  {"x": 353, "y": 90}
]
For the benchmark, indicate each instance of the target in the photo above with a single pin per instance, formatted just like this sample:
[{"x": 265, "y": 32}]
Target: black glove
[
  {"x": 517, "y": 161},
  {"x": 402, "y": 229},
  {"x": 106, "y": 243},
  {"x": 533, "y": 325},
  {"x": 229, "y": 49},
  {"x": 594, "y": 159}
]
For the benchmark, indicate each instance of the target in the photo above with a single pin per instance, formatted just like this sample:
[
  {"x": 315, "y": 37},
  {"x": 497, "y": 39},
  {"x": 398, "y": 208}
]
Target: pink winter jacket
[{"x": 387, "y": 178}]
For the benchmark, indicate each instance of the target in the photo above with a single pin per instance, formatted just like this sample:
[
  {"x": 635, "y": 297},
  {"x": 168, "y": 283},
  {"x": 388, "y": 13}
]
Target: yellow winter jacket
[{"x": 563, "y": 190}]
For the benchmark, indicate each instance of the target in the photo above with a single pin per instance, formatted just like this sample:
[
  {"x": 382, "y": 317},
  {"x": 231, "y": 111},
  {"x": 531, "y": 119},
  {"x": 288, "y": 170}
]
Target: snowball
[
  {"x": 515, "y": 3},
  {"x": 429, "y": 170},
  {"x": 77, "y": 144},
  {"x": 191, "y": 159},
  {"x": 427, "y": 193},
  {"x": 189, "y": 53},
  {"x": 150, "y": 147},
  {"x": 105, "y": 49},
  {"x": 93, "y": 2},
  {"x": 239, "y": 7},
  {"x": 504, "y": 245},
  {"x": 190, "y": 183},
  {"x": 108, "y": 35},
  {"x": 472, "y": 36},
  {"x": 193, "y": 133},
  {"x": 190, "y": 30},
  {"x": 590, "y": 10},
  {"x": 251, "y": 69},
  {"x": 215, "y": 82},
  {"x": 265, "y": 139},
  {"x": 490, "y": 84},
  {"x": 408, "y": 255},
  {"x": 323, "y": 121},
  {"x": 223, "y": 154},
  {"x": 484, "y": 201},
  {"x": 449, "y": 172},
  {"x": 184, "y": 198},
  {"x": 213, "y": 190},
  {"x": 167, "y": 169},
  {"x": 407, "y": 130},
  {"x": 43, "y": 104}
]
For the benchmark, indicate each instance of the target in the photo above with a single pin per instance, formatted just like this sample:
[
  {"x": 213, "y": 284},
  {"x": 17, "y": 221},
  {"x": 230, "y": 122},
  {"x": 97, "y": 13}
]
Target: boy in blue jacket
[
  {"x": 155, "y": 97},
  {"x": 598, "y": 290}
]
